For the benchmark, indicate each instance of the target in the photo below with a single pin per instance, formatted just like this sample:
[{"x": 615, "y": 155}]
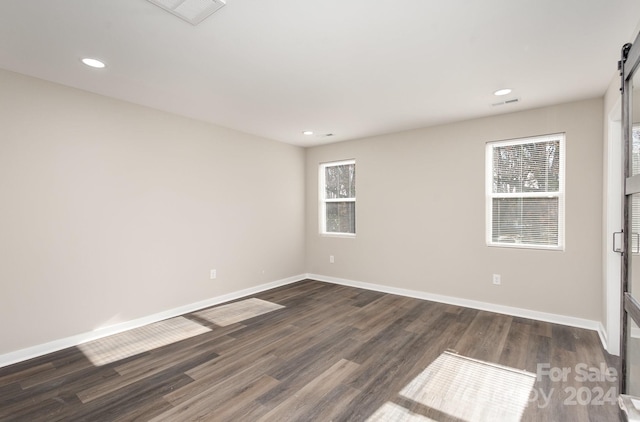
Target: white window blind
[
  {"x": 525, "y": 192},
  {"x": 338, "y": 198}
]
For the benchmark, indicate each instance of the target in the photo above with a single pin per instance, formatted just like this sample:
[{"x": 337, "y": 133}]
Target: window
[
  {"x": 338, "y": 198},
  {"x": 525, "y": 192}
]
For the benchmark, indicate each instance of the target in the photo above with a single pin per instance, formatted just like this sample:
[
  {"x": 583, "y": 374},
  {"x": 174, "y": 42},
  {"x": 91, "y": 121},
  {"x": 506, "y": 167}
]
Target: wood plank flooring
[{"x": 333, "y": 353}]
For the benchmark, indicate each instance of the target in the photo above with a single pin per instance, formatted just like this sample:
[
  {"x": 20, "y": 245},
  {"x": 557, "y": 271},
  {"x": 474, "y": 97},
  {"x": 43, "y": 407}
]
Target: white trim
[
  {"x": 602, "y": 333},
  {"x": 474, "y": 304},
  {"x": 612, "y": 212},
  {"x": 560, "y": 194},
  {"x": 322, "y": 200},
  {"x": 524, "y": 246},
  {"x": 53, "y": 346},
  {"x": 343, "y": 235}
]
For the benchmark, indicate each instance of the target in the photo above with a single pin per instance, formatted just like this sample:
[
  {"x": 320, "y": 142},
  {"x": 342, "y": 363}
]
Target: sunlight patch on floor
[
  {"x": 237, "y": 311},
  {"x": 391, "y": 412},
  {"x": 471, "y": 389},
  {"x": 142, "y": 339}
]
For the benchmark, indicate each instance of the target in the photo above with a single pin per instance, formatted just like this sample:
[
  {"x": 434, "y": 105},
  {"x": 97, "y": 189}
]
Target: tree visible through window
[
  {"x": 338, "y": 197},
  {"x": 525, "y": 192}
]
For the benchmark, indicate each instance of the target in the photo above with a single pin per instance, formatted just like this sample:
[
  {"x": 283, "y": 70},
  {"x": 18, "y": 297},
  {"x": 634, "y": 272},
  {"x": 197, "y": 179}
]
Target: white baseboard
[
  {"x": 53, "y": 346},
  {"x": 467, "y": 303},
  {"x": 602, "y": 333}
]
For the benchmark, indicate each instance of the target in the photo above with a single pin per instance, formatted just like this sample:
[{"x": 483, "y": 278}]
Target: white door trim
[{"x": 612, "y": 214}]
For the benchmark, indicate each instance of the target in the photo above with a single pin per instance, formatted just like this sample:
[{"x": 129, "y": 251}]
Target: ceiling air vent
[
  {"x": 511, "y": 101},
  {"x": 192, "y": 11}
]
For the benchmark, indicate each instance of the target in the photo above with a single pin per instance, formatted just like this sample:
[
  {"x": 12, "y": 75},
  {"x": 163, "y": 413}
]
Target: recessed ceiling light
[
  {"x": 307, "y": 132},
  {"x": 503, "y": 91},
  {"x": 93, "y": 63}
]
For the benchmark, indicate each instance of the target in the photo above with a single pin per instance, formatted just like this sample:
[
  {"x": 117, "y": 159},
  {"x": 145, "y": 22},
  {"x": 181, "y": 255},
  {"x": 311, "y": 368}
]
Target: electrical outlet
[
  {"x": 331, "y": 259},
  {"x": 213, "y": 274},
  {"x": 496, "y": 279}
]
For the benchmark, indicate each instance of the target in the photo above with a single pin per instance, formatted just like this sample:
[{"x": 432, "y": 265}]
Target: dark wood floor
[{"x": 333, "y": 353}]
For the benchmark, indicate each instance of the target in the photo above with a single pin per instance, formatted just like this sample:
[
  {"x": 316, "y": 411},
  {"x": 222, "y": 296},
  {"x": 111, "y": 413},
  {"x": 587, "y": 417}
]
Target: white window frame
[
  {"x": 323, "y": 200},
  {"x": 490, "y": 195}
]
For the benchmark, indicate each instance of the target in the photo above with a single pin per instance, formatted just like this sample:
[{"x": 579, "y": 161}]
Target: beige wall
[
  {"x": 111, "y": 212},
  {"x": 420, "y": 214}
]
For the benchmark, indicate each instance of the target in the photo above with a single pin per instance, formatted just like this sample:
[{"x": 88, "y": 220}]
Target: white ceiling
[{"x": 353, "y": 68}]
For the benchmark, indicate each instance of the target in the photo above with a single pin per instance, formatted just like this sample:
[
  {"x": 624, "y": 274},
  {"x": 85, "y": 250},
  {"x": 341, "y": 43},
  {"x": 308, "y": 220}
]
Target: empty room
[{"x": 319, "y": 211}]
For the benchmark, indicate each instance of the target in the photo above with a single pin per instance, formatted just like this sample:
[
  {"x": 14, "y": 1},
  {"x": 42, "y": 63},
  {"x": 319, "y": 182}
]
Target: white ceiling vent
[
  {"x": 192, "y": 11},
  {"x": 512, "y": 101}
]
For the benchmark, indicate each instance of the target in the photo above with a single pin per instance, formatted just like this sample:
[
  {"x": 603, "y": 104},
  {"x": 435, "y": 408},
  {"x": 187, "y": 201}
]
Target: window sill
[
  {"x": 342, "y": 235},
  {"x": 525, "y": 246}
]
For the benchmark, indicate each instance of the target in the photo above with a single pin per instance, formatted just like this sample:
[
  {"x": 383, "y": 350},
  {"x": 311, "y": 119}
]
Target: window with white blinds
[
  {"x": 525, "y": 192},
  {"x": 338, "y": 198}
]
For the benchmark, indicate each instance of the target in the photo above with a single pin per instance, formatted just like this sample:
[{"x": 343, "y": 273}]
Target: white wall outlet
[
  {"x": 213, "y": 274},
  {"x": 331, "y": 259},
  {"x": 496, "y": 279}
]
